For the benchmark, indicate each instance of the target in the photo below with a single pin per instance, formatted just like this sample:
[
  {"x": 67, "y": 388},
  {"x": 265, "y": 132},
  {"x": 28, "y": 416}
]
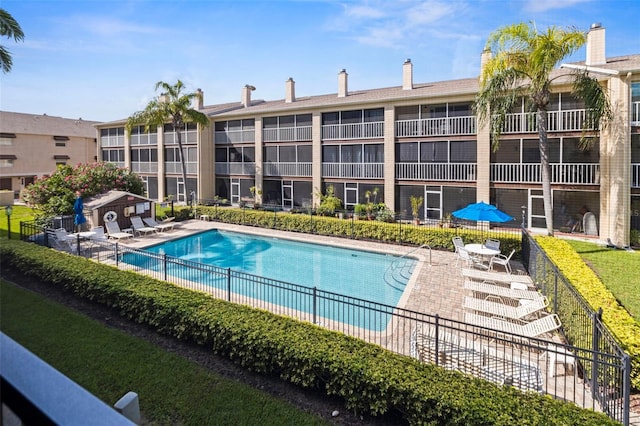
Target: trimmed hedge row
[
  {"x": 623, "y": 326},
  {"x": 371, "y": 380},
  {"x": 359, "y": 229}
]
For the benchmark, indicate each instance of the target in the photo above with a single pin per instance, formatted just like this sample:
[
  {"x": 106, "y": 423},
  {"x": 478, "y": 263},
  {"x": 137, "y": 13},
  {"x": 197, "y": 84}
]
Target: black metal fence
[{"x": 592, "y": 371}]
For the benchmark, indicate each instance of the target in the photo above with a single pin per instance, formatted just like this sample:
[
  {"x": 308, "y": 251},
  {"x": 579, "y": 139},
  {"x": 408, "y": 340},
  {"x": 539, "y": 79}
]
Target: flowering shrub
[{"x": 55, "y": 194}]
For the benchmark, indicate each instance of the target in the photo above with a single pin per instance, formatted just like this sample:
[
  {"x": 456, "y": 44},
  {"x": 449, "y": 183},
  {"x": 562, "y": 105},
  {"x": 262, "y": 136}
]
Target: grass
[
  {"x": 619, "y": 270},
  {"x": 109, "y": 363},
  {"x": 19, "y": 213}
]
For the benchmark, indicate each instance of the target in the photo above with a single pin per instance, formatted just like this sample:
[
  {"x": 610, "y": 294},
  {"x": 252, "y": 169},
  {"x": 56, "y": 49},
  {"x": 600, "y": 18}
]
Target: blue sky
[{"x": 100, "y": 60}]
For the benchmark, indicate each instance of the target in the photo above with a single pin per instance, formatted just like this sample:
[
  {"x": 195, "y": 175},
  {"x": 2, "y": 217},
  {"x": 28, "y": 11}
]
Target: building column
[
  {"x": 161, "y": 169},
  {"x": 206, "y": 164},
  {"x": 483, "y": 148},
  {"x": 389, "y": 158},
  {"x": 615, "y": 167},
  {"x": 316, "y": 157},
  {"x": 259, "y": 169}
]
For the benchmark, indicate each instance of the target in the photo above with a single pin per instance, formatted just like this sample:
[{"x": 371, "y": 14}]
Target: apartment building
[
  {"x": 32, "y": 146},
  {"x": 412, "y": 139}
]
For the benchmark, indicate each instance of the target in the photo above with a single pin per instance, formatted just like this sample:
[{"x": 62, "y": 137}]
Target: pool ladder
[{"x": 402, "y": 267}]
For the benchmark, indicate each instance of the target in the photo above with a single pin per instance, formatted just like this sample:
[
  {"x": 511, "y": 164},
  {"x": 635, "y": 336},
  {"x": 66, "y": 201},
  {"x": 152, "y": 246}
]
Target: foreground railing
[
  {"x": 565, "y": 173},
  {"x": 601, "y": 370}
]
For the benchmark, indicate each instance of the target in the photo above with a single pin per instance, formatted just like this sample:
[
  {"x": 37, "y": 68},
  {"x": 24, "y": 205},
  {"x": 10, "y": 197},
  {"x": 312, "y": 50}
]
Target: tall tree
[
  {"x": 521, "y": 66},
  {"x": 171, "y": 106},
  {"x": 9, "y": 28}
]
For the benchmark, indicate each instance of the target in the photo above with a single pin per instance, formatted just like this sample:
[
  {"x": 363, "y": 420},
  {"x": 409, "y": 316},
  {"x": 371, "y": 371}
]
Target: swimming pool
[{"x": 353, "y": 273}]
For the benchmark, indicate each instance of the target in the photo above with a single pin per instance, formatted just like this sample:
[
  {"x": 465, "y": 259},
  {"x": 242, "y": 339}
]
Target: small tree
[
  {"x": 329, "y": 203},
  {"x": 416, "y": 202}
]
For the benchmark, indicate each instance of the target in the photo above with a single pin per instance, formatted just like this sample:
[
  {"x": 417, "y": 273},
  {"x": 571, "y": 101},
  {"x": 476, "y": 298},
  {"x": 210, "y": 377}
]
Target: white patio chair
[
  {"x": 113, "y": 231},
  {"x": 99, "y": 234},
  {"x": 470, "y": 260},
  {"x": 457, "y": 243},
  {"x": 160, "y": 227},
  {"x": 520, "y": 312},
  {"x": 140, "y": 228},
  {"x": 534, "y": 328},
  {"x": 501, "y": 259},
  {"x": 63, "y": 240},
  {"x": 492, "y": 244}
]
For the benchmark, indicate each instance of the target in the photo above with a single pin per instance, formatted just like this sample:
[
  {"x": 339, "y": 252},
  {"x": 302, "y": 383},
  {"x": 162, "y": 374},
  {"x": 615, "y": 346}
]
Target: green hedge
[
  {"x": 370, "y": 379},
  {"x": 440, "y": 238},
  {"x": 623, "y": 326}
]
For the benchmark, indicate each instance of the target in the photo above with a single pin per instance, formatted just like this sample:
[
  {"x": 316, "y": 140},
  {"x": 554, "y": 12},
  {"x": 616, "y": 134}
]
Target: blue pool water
[{"x": 359, "y": 274}]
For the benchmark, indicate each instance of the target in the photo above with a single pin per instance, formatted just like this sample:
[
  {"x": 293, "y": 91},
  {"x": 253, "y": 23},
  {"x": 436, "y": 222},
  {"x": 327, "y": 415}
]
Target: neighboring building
[
  {"x": 413, "y": 139},
  {"x": 32, "y": 146}
]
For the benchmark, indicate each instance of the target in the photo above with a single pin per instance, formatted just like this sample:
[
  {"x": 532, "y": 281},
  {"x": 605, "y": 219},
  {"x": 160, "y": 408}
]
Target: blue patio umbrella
[
  {"x": 482, "y": 212},
  {"x": 78, "y": 207}
]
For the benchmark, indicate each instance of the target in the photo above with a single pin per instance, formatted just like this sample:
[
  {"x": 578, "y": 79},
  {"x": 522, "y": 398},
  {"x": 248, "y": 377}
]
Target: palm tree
[
  {"x": 172, "y": 106},
  {"x": 520, "y": 67},
  {"x": 9, "y": 28}
]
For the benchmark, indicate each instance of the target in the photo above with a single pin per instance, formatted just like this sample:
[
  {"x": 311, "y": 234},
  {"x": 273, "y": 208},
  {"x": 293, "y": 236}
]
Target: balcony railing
[
  {"x": 176, "y": 167},
  {"x": 436, "y": 126},
  {"x": 287, "y": 134},
  {"x": 465, "y": 172},
  {"x": 557, "y": 121},
  {"x": 235, "y": 136},
  {"x": 570, "y": 174},
  {"x": 635, "y": 113},
  {"x": 287, "y": 169},
  {"x": 353, "y": 170},
  {"x": 635, "y": 175},
  {"x": 144, "y": 167},
  {"x": 353, "y": 131},
  {"x": 236, "y": 168}
]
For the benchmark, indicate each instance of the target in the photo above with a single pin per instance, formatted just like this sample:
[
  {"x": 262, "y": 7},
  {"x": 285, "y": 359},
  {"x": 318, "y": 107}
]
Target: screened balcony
[
  {"x": 235, "y": 136},
  {"x": 566, "y": 173},
  {"x": 287, "y": 169},
  {"x": 459, "y": 172},
  {"x": 635, "y": 113},
  {"x": 371, "y": 130},
  {"x": 176, "y": 167},
  {"x": 353, "y": 170},
  {"x": 445, "y": 126},
  {"x": 557, "y": 121},
  {"x": 287, "y": 134},
  {"x": 245, "y": 168},
  {"x": 144, "y": 167}
]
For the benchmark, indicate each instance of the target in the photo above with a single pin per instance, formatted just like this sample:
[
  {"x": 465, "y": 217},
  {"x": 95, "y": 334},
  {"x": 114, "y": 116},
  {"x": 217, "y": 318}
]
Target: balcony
[
  {"x": 176, "y": 167},
  {"x": 144, "y": 167},
  {"x": 446, "y": 126},
  {"x": 557, "y": 121},
  {"x": 287, "y": 134},
  {"x": 635, "y": 113},
  {"x": 353, "y": 170},
  {"x": 371, "y": 130},
  {"x": 569, "y": 174},
  {"x": 287, "y": 169},
  {"x": 635, "y": 175},
  {"x": 235, "y": 136},
  {"x": 458, "y": 172},
  {"x": 247, "y": 169}
]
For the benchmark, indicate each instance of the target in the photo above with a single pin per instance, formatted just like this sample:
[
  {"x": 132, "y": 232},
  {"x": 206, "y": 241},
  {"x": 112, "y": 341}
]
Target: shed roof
[{"x": 111, "y": 196}]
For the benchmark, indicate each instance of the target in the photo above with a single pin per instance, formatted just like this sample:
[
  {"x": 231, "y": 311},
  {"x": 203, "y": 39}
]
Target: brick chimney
[
  {"x": 342, "y": 83},
  {"x": 246, "y": 95},
  {"x": 407, "y": 75},
  {"x": 290, "y": 91},
  {"x": 596, "y": 45}
]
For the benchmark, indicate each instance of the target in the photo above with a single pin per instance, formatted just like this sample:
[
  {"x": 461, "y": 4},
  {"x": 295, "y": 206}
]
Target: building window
[
  {"x": 113, "y": 155},
  {"x": 112, "y": 137},
  {"x": 6, "y": 160},
  {"x": 140, "y": 137}
]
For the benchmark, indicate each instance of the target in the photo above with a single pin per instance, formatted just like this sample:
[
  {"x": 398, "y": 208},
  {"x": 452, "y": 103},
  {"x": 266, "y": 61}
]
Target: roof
[
  {"x": 19, "y": 123},
  {"x": 108, "y": 197}
]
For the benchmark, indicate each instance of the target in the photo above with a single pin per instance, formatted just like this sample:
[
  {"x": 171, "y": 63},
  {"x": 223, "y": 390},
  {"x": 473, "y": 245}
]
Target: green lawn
[
  {"x": 109, "y": 363},
  {"x": 18, "y": 213},
  {"x": 619, "y": 270}
]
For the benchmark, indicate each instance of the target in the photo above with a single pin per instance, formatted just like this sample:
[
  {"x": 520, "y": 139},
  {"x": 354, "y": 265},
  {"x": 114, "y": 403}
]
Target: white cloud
[{"x": 545, "y": 5}]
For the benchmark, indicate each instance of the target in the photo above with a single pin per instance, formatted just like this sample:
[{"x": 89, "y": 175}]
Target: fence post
[
  {"x": 595, "y": 344},
  {"x": 437, "y": 336},
  {"x": 275, "y": 218},
  {"x": 315, "y": 301},
  {"x": 78, "y": 244},
  {"x": 626, "y": 388},
  {"x": 164, "y": 265},
  {"x": 117, "y": 257},
  {"x": 353, "y": 225},
  {"x": 555, "y": 293},
  {"x": 229, "y": 284}
]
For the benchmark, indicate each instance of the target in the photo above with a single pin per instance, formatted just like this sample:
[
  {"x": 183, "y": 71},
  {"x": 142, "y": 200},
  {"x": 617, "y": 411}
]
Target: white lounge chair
[
  {"x": 520, "y": 312},
  {"x": 140, "y": 228},
  {"x": 501, "y": 259},
  {"x": 99, "y": 234},
  {"x": 161, "y": 227},
  {"x": 113, "y": 231},
  {"x": 535, "y": 328}
]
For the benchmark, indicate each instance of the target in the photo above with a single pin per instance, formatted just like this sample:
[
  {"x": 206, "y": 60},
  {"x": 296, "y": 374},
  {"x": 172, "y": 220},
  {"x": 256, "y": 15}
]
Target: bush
[{"x": 368, "y": 378}]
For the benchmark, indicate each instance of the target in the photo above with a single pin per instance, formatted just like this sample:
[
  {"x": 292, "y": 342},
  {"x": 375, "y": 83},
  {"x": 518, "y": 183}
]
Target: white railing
[
  {"x": 635, "y": 113},
  {"x": 176, "y": 167},
  {"x": 235, "y": 136},
  {"x": 437, "y": 171},
  {"x": 353, "y": 131},
  {"x": 557, "y": 121},
  {"x": 572, "y": 174},
  {"x": 635, "y": 175},
  {"x": 287, "y": 134},
  {"x": 437, "y": 126},
  {"x": 353, "y": 170},
  {"x": 110, "y": 141},
  {"x": 236, "y": 168},
  {"x": 144, "y": 167},
  {"x": 287, "y": 169}
]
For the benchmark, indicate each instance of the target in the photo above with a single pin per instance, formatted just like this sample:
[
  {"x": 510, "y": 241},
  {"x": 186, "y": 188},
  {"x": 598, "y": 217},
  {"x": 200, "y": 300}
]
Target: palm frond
[{"x": 599, "y": 112}]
